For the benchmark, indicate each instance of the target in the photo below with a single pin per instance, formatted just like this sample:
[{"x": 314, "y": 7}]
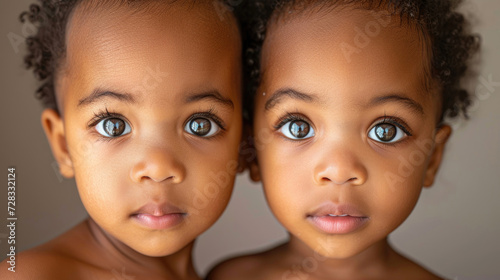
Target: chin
[
  {"x": 157, "y": 251},
  {"x": 338, "y": 254},
  {"x": 334, "y": 249},
  {"x": 159, "y": 248}
]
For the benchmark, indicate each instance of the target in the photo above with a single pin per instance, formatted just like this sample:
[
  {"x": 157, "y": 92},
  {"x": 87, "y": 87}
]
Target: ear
[
  {"x": 54, "y": 130},
  {"x": 253, "y": 164},
  {"x": 248, "y": 154},
  {"x": 255, "y": 171},
  {"x": 441, "y": 138}
]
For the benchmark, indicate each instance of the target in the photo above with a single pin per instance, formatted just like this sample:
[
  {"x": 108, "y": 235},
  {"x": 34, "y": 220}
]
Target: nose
[
  {"x": 158, "y": 164},
  {"x": 339, "y": 165}
]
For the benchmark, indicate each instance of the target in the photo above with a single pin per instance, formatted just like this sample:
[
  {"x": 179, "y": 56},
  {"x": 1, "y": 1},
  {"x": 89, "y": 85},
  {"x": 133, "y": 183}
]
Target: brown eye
[
  {"x": 385, "y": 132},
  {"x": 201, "y": 127},
  {"x": 297, "y": 130},
  {"x": 113, "y": 127}
]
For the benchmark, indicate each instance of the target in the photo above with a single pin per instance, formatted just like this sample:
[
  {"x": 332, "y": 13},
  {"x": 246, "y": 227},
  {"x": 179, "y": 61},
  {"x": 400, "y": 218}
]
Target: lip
[
  {"x": 158, "y": 216},
  {"x": 334, "y": 218}
]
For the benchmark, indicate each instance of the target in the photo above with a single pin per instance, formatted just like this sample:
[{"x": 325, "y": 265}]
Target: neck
[
  {"x": 175, "y": 266},
  {"x": 372, "y": 261}
]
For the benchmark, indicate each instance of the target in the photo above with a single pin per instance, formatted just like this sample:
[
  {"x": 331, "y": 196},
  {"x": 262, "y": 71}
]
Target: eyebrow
[
  {"x": 100, "y": 94},
  {"x": 278, "y": 96},
  {"x": 408, "y": 102},
  {"x": 210, "y": 95}
]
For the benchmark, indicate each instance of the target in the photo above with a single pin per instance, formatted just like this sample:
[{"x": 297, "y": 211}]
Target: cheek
[
  {"x": 397, "y": 184},
  {"x": 99, "y": 174},
  {"x": 214, "y": 178},
  {"x": 286, "y": 180},
  {"x": 210, "y": 179}
]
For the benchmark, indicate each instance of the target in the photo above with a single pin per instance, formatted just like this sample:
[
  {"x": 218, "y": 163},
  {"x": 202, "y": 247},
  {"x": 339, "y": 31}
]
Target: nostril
[
  {"x": 170, "y": 178},
  {"x": 326, "y": 179},
  {"x": 157, "y": 180}
]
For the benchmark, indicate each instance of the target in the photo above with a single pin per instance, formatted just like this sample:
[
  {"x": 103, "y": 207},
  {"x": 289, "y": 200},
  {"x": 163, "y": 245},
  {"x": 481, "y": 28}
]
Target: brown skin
[
  {"x": 341, "y": 163},
  {"x": 159, "y": 58}
]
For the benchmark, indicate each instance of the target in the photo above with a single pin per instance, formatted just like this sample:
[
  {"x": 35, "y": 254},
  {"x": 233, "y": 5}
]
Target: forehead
[
  {"x": 350, "y": 48},
  {"x": 128, "y": 30},
  {"x": 125, "y": 43}
]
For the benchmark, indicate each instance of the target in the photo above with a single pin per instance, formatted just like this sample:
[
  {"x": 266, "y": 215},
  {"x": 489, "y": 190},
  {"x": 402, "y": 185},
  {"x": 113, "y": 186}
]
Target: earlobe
[
  {"x": 442, "y": 136},
  {"x": 255, "y": 171},
  {"x": 248, "y": 154},
  {"x": 54, "y": 130},
  {"x": 245, "y": 150}
]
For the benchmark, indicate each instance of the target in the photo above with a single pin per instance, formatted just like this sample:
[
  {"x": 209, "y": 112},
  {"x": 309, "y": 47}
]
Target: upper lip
[
  {"x": 330, "y": 208},
  {"x": 158, "y": 210}
]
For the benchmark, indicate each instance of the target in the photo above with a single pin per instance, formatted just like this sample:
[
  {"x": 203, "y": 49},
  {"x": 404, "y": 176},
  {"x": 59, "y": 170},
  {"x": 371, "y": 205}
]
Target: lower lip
[
  {"x": 159, "y": 222},
  {"x": 337, "y": 225}
]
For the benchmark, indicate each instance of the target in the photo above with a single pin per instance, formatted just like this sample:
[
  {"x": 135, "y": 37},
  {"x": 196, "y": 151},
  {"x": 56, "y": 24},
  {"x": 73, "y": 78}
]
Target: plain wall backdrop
[{"x": 454, "y": 229}]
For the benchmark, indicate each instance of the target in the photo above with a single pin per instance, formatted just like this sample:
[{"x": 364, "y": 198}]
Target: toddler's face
[
  {"x": 345, "y": 129},
  {"x": 152, "y": 121}
]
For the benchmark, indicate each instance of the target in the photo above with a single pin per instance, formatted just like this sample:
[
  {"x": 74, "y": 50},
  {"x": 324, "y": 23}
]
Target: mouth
[
  {"x": 337, "y": 218},
  {"x": 158, "y": 216}
]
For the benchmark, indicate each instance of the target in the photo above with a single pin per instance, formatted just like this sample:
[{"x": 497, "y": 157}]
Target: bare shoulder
[
  {"x": 240, "y": 267},
  {"x": 53, "y": 260},
  {"x": 252, "y": 266},
  {"x": 409, "y": 269},
  {"x": 419, "y": 272},
  {"x": 37, "y": 264}
]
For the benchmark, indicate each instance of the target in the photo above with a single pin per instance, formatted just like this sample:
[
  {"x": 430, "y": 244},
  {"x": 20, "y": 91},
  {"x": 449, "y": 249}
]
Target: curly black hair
[
  {"x": 47, "y": 47},
  {"x": 448, "y": 31}
]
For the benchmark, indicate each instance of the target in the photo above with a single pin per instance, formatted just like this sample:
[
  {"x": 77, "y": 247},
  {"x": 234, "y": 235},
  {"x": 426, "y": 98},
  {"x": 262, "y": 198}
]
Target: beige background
[{"x": 454, "y": 230}]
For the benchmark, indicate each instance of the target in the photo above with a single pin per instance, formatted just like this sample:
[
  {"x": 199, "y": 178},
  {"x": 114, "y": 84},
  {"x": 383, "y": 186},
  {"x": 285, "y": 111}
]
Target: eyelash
[
  {"x": 210, "y": 114},
  {"x": 288, "y": 117},
  {"x": 101, "y": 115},
  {"x": 397, "y": 122},
  {"x": 400, "y": 124},
  {"x": 386, "y": 119}
]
